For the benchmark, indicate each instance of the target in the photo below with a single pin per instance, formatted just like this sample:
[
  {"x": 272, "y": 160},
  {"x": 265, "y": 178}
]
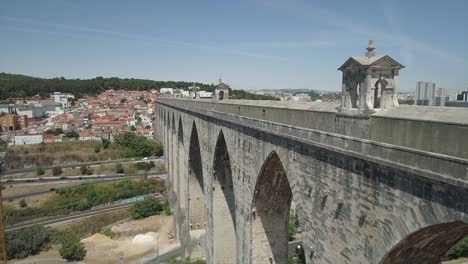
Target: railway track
[{"x": 74, "y": 216}]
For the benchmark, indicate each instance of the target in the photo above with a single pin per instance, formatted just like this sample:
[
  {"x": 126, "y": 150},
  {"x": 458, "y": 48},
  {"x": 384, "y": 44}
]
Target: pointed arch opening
[
  {"x": 181, "y": 172},
  {"x": 196, "y": 191},
  {"x": 270, "y": 213},
  {"x": 173, "y": 124},
  {"x": 224, "y": 215},
  {"x": 180, "y": 132},
  {"x": 427, "y": 245}
]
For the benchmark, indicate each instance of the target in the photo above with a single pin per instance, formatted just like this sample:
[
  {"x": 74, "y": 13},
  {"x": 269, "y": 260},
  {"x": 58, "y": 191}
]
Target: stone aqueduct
[
  {"x": 369, "y": 185},
  {"x": 234, "y": 167}
]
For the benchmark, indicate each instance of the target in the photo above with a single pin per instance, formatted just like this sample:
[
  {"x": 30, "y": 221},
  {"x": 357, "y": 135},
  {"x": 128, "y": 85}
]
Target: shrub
[
  {"x": 57, "y": 171},
  {"x": 26, "y": 241},
  {"x": 167, "y": 208},
  {"x": 109, "y": 233},
  {"x": 459, "y": 250},
  {"x": 119, "y": 168},
  {"x": 184, "y": 261},
  {"x": 148, "y": 207},
  {"x": 97, "y": 148},
  {"x": 138, "y": 146},
  {"x": 142, "y": 166},
  {"x": 40, "y": 171},
  {"x": 72, "y": 249},
  {"x": 85, "y": 170},
  {"x": 293, "y": 225},
  {"x": 22, "y": 203}
]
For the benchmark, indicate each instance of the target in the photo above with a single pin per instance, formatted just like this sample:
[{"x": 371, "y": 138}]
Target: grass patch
[
  {"x": 84, "y": 197},
  {"x": 456, "y": 261}
]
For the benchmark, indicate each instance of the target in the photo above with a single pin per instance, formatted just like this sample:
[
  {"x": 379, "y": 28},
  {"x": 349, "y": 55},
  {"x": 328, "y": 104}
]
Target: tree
[
  {"x": 71, "y": 134},
  {"x": 40, "y": 171},
  {"x": 105, "y": 143},
  {"x": 22, "y": 203},
  {"x": 133, "y": 128},
  {"x": 72, "y": 249},
  {"x": 26, "y": 241},
  {"x": 119, "y": 168},
  {"x": 57, "y": 171},
  {"x": 148, "y": 127}
]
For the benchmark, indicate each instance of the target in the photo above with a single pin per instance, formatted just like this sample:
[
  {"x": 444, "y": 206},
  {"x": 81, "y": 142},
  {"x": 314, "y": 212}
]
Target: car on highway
[
  {"x": 120, "y": 174},
  {"x": 145, "y": 158}
]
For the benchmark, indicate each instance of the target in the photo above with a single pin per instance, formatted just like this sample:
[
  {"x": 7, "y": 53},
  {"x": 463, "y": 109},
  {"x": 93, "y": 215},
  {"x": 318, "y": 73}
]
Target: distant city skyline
[{"x": 253, "y": 45}]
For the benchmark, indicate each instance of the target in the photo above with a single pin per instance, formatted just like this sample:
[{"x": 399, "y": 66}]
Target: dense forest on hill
[{"x": 16, "y": 85}]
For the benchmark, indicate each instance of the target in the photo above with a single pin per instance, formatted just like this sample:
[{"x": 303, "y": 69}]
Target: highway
[
  {"x": 77, "y": 165},
  {"x": 85, "y": 182},
  {"x": 37, "y": 180}
]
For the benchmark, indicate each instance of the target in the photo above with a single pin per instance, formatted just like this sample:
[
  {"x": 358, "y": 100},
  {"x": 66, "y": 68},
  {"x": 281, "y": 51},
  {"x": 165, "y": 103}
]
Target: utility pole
[
  {"x": 2, "y": 229},
  {"x": 2, "y": 226}
]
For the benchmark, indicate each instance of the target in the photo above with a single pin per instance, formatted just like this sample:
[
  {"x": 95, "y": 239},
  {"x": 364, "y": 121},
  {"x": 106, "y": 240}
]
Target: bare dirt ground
[
  {"x": 22, "y": 189},
  {"x": 104, "y": 250},
  {"x": 33, "y": 201},
  {"x": 157, "y": 229}
]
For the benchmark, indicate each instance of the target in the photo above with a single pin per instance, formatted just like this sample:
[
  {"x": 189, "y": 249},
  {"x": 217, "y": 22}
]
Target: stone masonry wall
[{"x": 353, "y": 207}]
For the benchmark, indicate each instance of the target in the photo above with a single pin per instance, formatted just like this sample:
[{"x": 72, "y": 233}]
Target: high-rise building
[
  {"x": 441, "y": 97},
  {"x": 425, "y": 93},
  {"x": 463, "y": 96}
]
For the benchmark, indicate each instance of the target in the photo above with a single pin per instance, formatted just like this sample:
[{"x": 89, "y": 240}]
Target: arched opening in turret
[
  {"x": 270, "y": 213},
  {"x": 354, "y": 94},
  {"x": 379, "y": 90},
  {"x": 427, "y": 245},
  {"x": 224, "y": 212},
  {"x": 221, "y": 95},
  {"x": 196, "y": 191}
]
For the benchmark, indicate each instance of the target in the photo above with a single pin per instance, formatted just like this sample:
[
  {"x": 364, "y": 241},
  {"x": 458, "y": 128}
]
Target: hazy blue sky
[{"x": 253, "y": 44}]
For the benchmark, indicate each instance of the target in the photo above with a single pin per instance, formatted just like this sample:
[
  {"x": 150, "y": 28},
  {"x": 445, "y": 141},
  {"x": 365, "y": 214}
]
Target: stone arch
[
  {"x": 196, "y": 192},
  {"x": 270, "y": 213},
  {"x": 427, "y": 245},
  {"x": 224, "y": 212}
]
